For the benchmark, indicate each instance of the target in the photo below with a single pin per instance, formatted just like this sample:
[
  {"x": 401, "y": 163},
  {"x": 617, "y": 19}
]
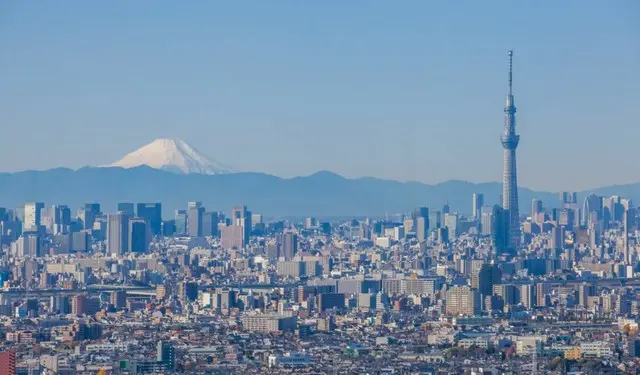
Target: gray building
[
  {"x": 194, "y": 219},
  {"x": 118, "y": 233}
]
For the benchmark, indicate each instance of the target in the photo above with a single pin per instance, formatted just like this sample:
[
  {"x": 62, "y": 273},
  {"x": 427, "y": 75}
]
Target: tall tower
[{"x": 509, "y": 178}]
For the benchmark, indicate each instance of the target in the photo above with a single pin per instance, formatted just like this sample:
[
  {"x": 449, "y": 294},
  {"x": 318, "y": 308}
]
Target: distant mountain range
[
  {"x": 172, "y": 172},
  {"x": 321, "y": 194}
]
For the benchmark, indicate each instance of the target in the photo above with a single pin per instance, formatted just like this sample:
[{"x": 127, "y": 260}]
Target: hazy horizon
[{"x": 409, "y": 92}]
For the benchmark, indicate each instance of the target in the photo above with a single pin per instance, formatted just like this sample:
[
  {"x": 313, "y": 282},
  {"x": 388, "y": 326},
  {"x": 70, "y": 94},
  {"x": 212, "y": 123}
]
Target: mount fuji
[{"x": 172, "y": 155}]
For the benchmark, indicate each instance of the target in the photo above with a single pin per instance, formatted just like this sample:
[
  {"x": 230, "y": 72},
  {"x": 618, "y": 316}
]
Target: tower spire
[{"x": 510, "y": 71}]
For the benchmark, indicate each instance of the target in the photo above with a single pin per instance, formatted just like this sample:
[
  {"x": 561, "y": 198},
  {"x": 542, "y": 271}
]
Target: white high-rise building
[{"x": 32, "y": 215}]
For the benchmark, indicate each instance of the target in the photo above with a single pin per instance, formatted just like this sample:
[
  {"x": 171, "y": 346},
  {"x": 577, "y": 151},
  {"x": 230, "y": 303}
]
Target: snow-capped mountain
[{"x": 172, "y": 155}]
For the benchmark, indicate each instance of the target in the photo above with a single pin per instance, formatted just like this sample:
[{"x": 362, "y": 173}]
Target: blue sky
[{"x": 408, "y": 90}]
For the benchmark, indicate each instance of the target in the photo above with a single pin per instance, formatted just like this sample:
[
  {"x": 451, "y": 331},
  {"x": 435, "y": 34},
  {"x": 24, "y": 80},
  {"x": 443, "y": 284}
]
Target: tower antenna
[{"x": 510, "y": 53}]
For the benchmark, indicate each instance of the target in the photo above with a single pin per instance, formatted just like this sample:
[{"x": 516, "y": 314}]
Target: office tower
[
  {"x": 80, "y": 241},
  {"x": 232, "y": 236},
  {"x": 152, "y": 213},
  {"x": 422, "y": 228},
  {"x": 187, "y": 291},
  {"x": 626, "y": 225},
  {"x": 446, "y": 209},
  {"x": 118, "y": 298},
  {"x": 88, "y": 214},
  {"x": 510, "y": 142},
  {"x": 56, "y": 219},
  {"x": 79, "y": 304},
  {"x": 478, "y": 202},
  {"x": 194, "y": 219},
  {"x": 527, "y": 295},
  {"x": 117, "y": 233},
  {"x": 240, "y": 216},
  {"x": 28, "y": 245},
  {"x": 32, "y": 215},
  {"x": 592, "y": 203},
  {"x": 139, "y": 235},
  {"x": 452, "y": 225},
  {"x": 8, "y": 363},
  {"x": 127, "y": 208},
  {"x": 542, "y": 290},
  {"x": 566, "y": 218},
  {"x": 166, "y": 354},
  {"x": 288, "y": 243},
  {"x": 180, "y": 219},
  {"x": 500, "y": 229},
  {"x": 462, "y": 300},
  {"x": 257, "y": 219},
  {"x": 568, "y": 197},
  {"x": 421, "y": 212},
  {"x": 210, "y": 224},
  {"x": 508, "y": 292},
  {"x": 486, "y": 223},
  {"x": 536, "y": 207},
  {"x": 557, "y": 238},
  {"x": 435, "y": 220},
  {"x": 485, "y": 278},
  {"x": 310, "y": 222}
]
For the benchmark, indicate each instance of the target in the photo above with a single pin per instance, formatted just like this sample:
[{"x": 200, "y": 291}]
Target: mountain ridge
[{"x": 320, "y": 194}]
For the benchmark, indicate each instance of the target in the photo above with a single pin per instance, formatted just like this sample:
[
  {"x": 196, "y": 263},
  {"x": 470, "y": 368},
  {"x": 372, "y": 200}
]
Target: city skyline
[
  {"x": 283, "y": 187},
  {"x": 398, "y": 86}
]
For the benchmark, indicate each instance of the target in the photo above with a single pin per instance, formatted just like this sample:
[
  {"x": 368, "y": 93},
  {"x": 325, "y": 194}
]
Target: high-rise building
[
  {"x": 139, "y": 235},
  {"x": 592, "y": 203},
  {"x": 557, "y": 238},
  {"x": 288, "y": 243},
  {"x": 568, "y": 197},
  {"x": 32, "y": 212},
  {"x": 180, "y": 217},
  {"x": 242, "y": 217},
  {"x": 8, "y": 363},
  {"x": 485, "y": 278},
  {"x": 194, "y": 220},
  {"x": 478, "y": 202},
  {"x": 500, "y": 229},
  {"x": 232, "y": 236},
  {"x": 152, "y": 213},
  {"x": 127, "y": 208},
  {"x": 451, "y": 222},
  {"x": 435, "y": 220},
  {"x": 118, "y": 298},
  {"x": 527, "y": 295},
  {"x": 79, "y": 304},
  {"x": 166, "y": 354},
  {"x": 510, "y": 142},
  {"x": 536, "y": 207},
  {"x": 462, "y": 300},
  {"x": 210, "y": 224},
  {"x": 118, "y": 233},
  {"x": 56, "y": 219},
  {"x": 81, "y": 241},
  {"x": 187, "y": 291},
  {"x": 626, "y": 226},
  {"x": 422, "y": 228},
  {"x": 88, "y": 214},
  {"x": 486, "y": 223}
]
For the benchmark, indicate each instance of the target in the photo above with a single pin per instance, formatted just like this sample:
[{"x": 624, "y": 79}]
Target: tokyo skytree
[{"x": 509, "y": 178}]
